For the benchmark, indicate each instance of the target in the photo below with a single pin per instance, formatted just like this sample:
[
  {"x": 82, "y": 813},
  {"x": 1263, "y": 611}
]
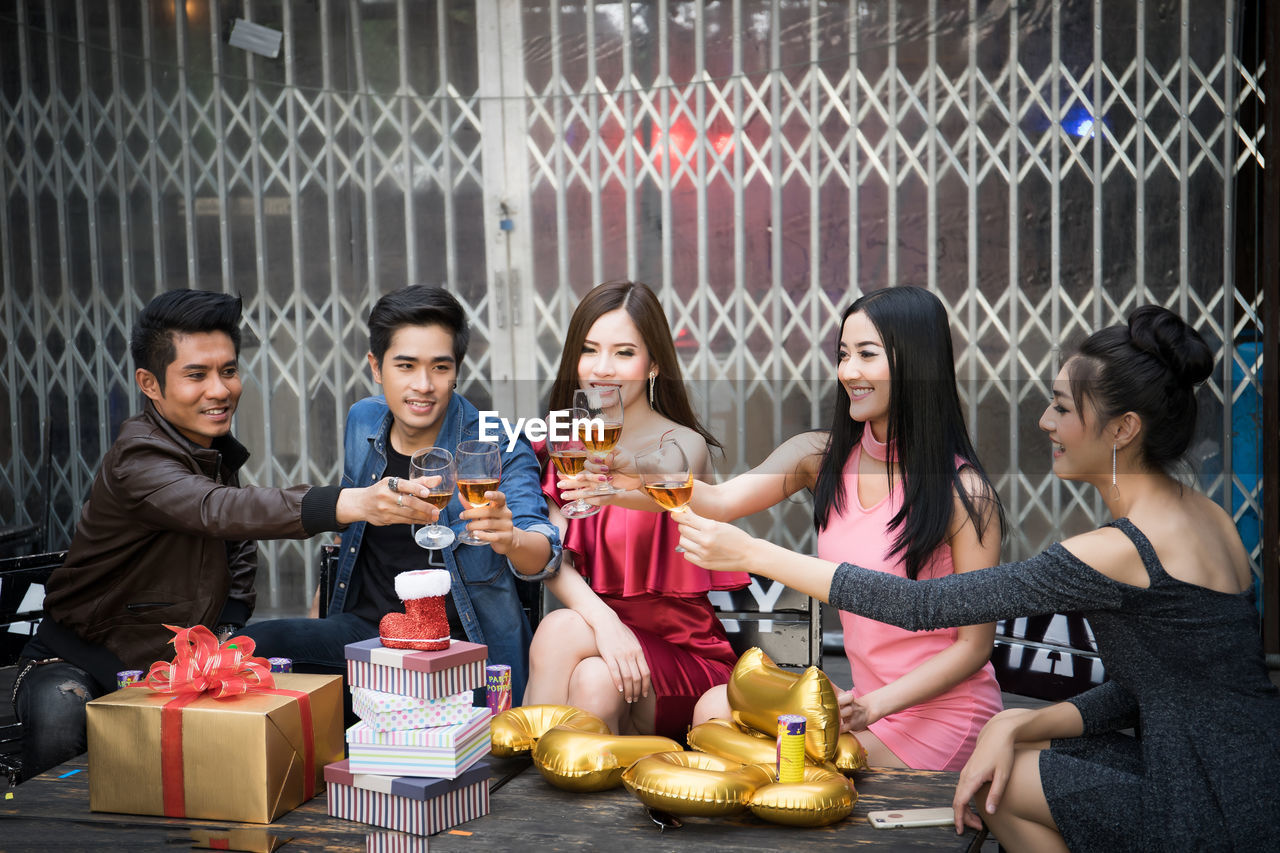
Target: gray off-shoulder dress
[{"x": 1186, "y": 672}]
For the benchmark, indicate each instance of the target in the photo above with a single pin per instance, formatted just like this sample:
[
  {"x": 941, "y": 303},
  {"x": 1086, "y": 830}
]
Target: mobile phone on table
[{"x": 904, "y": 818}]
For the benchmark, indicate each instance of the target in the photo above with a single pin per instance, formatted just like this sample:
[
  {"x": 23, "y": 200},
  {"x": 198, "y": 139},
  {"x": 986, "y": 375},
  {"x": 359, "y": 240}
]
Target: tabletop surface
[{"x": 51, "y": 812}]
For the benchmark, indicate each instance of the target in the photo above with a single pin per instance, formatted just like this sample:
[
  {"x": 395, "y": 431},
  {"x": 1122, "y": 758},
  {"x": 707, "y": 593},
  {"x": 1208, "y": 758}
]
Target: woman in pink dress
[
  {"x": 637, "y": 642},
  {"x": 898, "y": 486}
]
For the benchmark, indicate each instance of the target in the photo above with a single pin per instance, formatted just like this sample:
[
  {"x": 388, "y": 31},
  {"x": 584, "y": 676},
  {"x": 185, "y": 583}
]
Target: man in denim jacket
[{"x": 417, "y": 340}]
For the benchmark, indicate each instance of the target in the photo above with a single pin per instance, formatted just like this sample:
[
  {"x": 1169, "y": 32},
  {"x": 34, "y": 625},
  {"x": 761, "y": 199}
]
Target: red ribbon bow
[{"x": 203, "y": 666}]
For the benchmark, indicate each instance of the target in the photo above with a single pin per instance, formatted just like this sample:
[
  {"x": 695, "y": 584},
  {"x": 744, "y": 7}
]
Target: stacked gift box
[{"x": 414, "y": 759}]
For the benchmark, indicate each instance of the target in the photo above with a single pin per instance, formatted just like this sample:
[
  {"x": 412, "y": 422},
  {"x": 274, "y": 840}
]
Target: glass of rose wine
[
  {"x": 666, "y": 477},
  {"x": 603, "y": 405},
  {"x": 479, "y": 466},
  {"x": 434, "y": 462},
  {"x": 569, "y": 454}
]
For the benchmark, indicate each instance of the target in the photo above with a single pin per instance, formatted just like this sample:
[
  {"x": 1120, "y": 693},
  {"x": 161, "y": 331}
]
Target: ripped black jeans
[{"x": 49, "y": 701}]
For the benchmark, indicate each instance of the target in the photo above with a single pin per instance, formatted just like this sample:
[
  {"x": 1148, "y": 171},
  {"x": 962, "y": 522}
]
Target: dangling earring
[
  {"x": 1115, "y": 490},
  {"x": 652, "y": 378}
]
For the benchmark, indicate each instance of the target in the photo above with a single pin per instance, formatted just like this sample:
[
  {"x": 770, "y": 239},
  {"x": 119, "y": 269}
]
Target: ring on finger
[
  {"x": 394, "y": 484},
  {"x": 400, "y": 500}
]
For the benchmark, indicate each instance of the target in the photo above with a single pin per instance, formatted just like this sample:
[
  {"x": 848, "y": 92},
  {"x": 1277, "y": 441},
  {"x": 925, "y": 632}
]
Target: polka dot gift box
[{"x": 388, "y": 712}]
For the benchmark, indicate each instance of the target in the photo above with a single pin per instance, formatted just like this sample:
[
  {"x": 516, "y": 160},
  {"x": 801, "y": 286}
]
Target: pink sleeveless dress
[
  {"x": 939, "y": 733},
  {"x": 629, "y": 559}
]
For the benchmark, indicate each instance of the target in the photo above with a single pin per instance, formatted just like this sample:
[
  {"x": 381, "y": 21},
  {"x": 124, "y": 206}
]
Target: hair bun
[{"x": 1170, "y": 340}]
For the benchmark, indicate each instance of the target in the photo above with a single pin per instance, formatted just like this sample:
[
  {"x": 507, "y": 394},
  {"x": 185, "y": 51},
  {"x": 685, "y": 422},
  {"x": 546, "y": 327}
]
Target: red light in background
[{"x": 682, "y": 140}]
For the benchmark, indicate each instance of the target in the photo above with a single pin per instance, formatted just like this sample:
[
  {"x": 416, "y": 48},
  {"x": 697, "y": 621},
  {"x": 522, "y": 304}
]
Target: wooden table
[
  {"x": 527, "y": 812},
  {"x": 51, "y": 812}
]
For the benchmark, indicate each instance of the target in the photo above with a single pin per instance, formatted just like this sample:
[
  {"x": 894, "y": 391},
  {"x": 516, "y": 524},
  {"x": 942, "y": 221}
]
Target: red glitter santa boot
[{"x": 425, "y": 625}]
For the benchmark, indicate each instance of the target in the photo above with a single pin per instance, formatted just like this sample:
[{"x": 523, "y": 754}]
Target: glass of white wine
[
  {"x": 434, "y": 462},
  {"x": 479, "y": 467},
  {"x": 603, "y": 405},
  {"x": 569, "y": 455},
  {"x": 666, "y": 477}
]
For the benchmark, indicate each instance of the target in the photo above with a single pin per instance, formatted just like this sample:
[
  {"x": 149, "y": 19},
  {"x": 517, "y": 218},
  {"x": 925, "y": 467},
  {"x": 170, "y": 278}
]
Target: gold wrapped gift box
[{"x": 243, "y": 757}]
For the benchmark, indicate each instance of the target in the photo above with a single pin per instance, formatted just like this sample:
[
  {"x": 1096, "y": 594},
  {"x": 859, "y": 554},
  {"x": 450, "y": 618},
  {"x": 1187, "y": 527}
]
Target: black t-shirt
[{"x": 386, "y": 552}]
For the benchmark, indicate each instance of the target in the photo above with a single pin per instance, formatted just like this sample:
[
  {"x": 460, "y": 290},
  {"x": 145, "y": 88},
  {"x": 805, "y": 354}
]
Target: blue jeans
[
  {"x": 50, "y": 705},
  {"x": 314, "y": 645},
  {"x": 317, "y": 645}
]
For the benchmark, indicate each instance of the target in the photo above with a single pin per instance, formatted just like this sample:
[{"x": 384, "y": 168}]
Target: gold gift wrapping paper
[{"x": 243, "y": 756}]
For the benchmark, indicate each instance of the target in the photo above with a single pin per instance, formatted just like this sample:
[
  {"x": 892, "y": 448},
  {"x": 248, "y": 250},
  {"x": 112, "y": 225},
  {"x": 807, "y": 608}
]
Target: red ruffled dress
[{"x": 629, "y": 559}]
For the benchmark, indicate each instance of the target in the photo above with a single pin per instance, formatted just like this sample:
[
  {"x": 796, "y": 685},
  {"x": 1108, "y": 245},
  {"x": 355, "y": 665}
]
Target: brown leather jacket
[{"x": 166, "y": 537}]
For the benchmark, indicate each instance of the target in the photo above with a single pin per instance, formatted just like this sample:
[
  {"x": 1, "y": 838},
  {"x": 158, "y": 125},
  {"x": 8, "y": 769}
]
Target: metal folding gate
[{"x": 1043, "y": 166}]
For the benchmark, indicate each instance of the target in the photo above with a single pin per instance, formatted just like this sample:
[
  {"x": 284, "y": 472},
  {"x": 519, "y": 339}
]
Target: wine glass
[
  {"x": 666, "y": 477},
  {"x": 602, "y": 404},
  {"x": 569, "y": 454},
  {"x": 479, "y": 467},
  {"x": 434, "y": 462}
]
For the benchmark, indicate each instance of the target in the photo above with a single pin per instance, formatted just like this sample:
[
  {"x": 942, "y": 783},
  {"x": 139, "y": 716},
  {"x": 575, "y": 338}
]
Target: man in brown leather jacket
[{"x": 168, "y": 533}]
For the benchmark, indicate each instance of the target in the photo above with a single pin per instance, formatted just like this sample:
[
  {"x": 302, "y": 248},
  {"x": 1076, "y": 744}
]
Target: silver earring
[
  {"x": 652, "y": 378},
  {"x": 1115, "y": 490}
]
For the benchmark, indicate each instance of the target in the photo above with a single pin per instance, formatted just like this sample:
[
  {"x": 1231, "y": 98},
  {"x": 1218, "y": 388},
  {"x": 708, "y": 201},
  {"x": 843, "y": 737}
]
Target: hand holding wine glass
[
  {"x": 603, "y": 405},
  {"x": 434, "y": 462},
  {"x": 479, "y": 467},
  {"x": 665, "y": 475},
  {"x": 569, "y": 455}
]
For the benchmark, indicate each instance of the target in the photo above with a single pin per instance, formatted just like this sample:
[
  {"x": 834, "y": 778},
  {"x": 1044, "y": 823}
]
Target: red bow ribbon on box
[{"x": 203, "y": 667}]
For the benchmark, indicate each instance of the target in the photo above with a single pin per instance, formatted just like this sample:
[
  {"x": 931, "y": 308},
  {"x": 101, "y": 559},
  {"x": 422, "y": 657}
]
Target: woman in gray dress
[{"x": 1168, "y": 591}]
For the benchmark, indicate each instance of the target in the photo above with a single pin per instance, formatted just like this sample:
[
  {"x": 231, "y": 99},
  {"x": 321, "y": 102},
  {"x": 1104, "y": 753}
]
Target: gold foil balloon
[
  {"x": 851, "y": 755},
  {"x": 760, "y": 690},
  {"x": 823, "y": 797},
  {"x": 746, "y": 746},
  {"x": 515, "y": 731},
  {"x": 578, "y": 759},
  {"x": 693, "y": 783},
  {"x": 722, "y": 738}
]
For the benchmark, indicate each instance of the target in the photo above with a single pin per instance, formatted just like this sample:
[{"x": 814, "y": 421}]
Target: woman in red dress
[{"x": 637, "y": 641}]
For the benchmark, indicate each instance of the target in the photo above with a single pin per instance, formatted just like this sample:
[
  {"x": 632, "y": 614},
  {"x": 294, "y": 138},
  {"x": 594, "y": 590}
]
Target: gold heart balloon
[
  {"x": 694, "y": 783},
  {"x": 760, "y": 690},
  {"x": 515, "y": 731},
  {"x": 579, "y": 759},
  {"x": 851, "y": 755},
  {"x": 823, "y": 797}
]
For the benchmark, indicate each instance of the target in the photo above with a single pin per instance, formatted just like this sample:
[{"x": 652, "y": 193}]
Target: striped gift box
[
  {"x": 407, "y": 804},
  {"x": 423, "y": 675},
  {"x": 442, "y": 752}
]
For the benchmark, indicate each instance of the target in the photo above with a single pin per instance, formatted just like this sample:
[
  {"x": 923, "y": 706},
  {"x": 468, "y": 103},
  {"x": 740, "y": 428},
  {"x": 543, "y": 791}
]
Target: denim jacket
[{"x": 484, "y": 582}]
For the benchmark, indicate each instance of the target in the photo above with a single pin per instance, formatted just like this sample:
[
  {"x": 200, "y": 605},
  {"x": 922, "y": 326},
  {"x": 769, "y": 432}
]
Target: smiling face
[
  {"x": 1080, "y": 452},
  {"x": 614, "y": 354},
  {"x": 863, "y": 369},
  {"x": 201, "y": 386},
  {"x": 417, "y": 376}
]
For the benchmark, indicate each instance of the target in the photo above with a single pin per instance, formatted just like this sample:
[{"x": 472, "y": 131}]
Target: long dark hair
[
  {"x": 926, "y": 425},
  {"x": 642, "y": 306},
  {"x": 1150, "y": 366}
]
